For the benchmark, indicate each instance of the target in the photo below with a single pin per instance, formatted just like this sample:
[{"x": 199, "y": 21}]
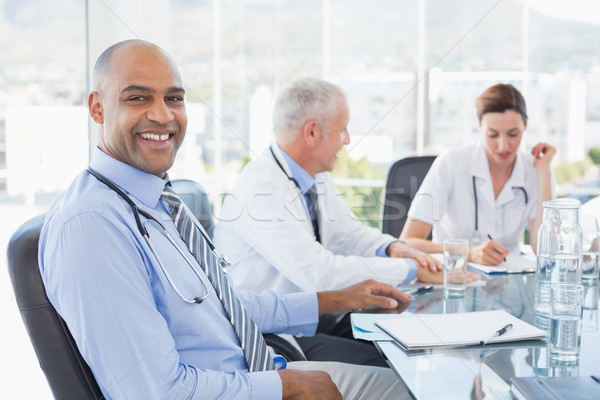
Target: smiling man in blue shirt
[{"x": 140, "y": 338}]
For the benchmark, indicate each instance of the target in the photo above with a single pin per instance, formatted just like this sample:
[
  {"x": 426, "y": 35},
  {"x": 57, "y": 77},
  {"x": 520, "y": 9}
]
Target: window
[{"x": 43, "y": 143}]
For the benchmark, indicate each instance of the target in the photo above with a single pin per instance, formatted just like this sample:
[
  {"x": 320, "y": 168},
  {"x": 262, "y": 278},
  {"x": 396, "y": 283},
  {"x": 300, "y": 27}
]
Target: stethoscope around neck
[
  {"x": 521, "y": 188},
  {"x": 291, "y": 178},
  {"x": 223, "y": 263}
]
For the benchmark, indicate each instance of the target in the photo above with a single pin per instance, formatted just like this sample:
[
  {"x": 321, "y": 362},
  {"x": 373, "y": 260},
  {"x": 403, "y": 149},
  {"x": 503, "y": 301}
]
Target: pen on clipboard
[
  {"x": 499, "y": 332},
  {"x": 490, "y": 237},
  {"x": 520, "y": 271},
  {"x": 422, "y": 289}
]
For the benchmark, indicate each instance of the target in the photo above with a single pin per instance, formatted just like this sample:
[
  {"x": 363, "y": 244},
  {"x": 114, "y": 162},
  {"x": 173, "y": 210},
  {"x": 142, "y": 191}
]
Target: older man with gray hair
[{"x": 285, "y": 227}]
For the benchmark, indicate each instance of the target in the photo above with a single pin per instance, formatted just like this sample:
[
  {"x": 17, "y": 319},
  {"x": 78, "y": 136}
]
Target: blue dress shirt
[
  {"x": 141, "y": 340},
  {"x": 305, "y": 181}
]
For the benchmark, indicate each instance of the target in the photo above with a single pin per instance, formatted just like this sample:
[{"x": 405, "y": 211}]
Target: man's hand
[
  {"x": 308, "y": 385},
  {"x": 488, "y": 253},
  {"x": 402, "y": 250},
  {"x": 361, "y": 295}
]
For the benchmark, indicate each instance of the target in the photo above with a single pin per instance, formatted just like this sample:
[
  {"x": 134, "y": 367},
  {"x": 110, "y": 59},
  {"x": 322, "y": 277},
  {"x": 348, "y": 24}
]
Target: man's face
[
  {"x": 336, "y": 137},
  {"x": 141, "y": 108}
]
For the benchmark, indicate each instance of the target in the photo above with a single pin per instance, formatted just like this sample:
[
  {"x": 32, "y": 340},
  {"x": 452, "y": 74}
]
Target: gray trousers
[{"x": 358, "y": 382}]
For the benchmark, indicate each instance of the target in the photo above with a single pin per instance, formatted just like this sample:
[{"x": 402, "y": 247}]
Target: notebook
[
  {"x": 423, "y": 331},
  {"x": 513, "y": 265}
]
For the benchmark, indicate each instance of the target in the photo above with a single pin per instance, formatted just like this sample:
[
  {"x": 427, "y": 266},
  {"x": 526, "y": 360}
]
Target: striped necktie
[
  {"x": 314, "y": 210},
  {"x": 253, "y": 344}
]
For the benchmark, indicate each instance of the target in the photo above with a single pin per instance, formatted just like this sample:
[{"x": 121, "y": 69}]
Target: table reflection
[
  {"x": 590, "y": 308},
  {"x": 480, "y": 372}
]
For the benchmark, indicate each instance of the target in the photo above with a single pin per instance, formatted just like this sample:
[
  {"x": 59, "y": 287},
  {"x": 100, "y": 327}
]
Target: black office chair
[
  {"x": 195, "y": 198},
  {"x": 403, "y": 181},
  {"x": 67, "y": 373}
]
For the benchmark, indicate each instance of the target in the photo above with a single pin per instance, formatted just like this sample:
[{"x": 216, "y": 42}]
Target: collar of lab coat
[
  {"x": 298, "y": 173},
  {"x": 318, "y": 180},
  {"x": 283, "y": 167},
  {"x": 278, "y": 154},
  {"x": 480, "y": 169}
]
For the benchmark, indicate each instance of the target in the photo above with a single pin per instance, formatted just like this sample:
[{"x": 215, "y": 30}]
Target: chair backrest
[
  {"x": 403, "y": 182},
  {"x": 195, "y": 198},
  {"x": 67, "y": 373}
]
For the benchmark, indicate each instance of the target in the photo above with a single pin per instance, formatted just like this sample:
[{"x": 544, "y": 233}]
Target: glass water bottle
[{"x": 558, "y": 250}]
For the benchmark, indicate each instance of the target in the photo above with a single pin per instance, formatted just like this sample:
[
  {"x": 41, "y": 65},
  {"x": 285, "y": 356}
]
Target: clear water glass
[
  {"x": 590, "y": 258},
  {"x": 456, "y": 254},
  {"x": 566, "y": 308}
]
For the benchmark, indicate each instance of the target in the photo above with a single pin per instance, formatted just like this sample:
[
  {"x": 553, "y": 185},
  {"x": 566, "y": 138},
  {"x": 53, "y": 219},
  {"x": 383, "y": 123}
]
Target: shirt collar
[
  {"x": 305, "y": 181},
  {"x": 146, "y": 187}
]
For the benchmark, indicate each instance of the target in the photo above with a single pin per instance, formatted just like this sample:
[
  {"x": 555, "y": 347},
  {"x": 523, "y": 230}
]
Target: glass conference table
[{"x": 479, "y": 372}]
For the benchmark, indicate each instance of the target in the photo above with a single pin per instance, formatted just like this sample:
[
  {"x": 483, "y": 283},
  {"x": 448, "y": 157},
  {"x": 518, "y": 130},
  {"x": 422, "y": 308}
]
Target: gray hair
[{"x": 306, "y": 99}]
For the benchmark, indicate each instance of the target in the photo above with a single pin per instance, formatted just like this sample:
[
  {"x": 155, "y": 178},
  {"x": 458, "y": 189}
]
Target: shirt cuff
[
  {"x": 412, "y": 270},
  {"x": 381, "y": 251},
  {"x": 265, "y": 385},
  {"x": 303, "y": 311}
]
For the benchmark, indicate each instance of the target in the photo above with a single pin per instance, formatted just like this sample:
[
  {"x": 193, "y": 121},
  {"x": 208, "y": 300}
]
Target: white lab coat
[
  {"x": 446, "y": 198},
  {"x": 265, "y": 231}
]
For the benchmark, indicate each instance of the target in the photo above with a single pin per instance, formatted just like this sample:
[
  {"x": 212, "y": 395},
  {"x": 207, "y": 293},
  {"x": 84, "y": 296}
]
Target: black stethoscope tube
[
  {"x": 477, "y": 205},
  {"x": 136, "y": 211},
  {"x": 223, "y": 263},
  {"x": 291, "y": 178}
]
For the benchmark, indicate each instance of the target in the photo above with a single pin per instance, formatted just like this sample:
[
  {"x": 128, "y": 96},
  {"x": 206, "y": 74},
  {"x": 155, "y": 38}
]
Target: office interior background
[{"x": 411, "y": 69}]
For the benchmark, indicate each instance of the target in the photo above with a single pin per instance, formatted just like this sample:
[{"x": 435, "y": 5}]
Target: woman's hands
[
  {"x": 543, "y": 153},
  {"x": 488, "y": 253}
]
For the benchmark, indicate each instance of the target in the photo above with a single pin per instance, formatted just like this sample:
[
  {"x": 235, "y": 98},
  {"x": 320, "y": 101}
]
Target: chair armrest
[{"x": 284, "y": 347}]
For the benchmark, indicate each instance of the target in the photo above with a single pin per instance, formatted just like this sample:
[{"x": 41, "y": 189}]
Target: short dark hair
[
  {"x": 501, "y": 98},
  {"x": 104, "y": 58}
]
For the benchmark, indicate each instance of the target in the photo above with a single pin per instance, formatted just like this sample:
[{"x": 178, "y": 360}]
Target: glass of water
[
  {"x": 456, "y": 253},
  {"x": 590, "y": 259},
  {"x": 566, "y": 308}
]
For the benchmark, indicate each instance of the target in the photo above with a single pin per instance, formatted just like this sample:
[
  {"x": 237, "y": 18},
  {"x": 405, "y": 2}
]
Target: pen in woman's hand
[{"x": 490, "y": 237}]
